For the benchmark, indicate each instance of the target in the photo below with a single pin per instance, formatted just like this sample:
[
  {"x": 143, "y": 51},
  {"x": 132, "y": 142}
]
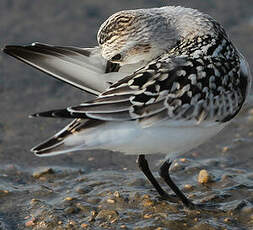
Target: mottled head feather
[{"x": 143, "y": 34}]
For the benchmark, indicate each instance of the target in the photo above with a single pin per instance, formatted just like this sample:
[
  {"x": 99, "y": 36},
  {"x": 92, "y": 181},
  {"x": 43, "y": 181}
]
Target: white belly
[{"x": 167, "y": 137}]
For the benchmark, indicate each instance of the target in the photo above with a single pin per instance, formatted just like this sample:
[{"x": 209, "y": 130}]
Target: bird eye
[{"x": 117, "y": 57}]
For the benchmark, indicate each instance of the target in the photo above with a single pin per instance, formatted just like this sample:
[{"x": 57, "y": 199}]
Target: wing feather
[
  {"x": 169, "y": 87},
  {"x": 83, "y": 68}
]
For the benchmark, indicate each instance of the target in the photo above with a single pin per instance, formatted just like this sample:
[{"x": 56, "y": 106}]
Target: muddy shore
[{"x": 100, "y": 189}]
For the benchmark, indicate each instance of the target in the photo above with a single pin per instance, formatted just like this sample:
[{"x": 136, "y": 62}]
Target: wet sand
[
  {"x": 106, "y": 194},
  {"x": 100, "y": 189}
]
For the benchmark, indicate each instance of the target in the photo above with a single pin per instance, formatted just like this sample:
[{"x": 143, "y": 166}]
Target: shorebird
[{"x": 165, "y": 79}]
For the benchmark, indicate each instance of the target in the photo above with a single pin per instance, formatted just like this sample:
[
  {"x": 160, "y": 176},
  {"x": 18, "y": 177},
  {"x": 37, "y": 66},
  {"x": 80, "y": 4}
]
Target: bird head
[{"x": 133, "y": 36}]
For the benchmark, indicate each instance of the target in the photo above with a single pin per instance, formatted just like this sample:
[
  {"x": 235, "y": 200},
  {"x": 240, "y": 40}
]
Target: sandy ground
[{"x": 100, "y": 189}]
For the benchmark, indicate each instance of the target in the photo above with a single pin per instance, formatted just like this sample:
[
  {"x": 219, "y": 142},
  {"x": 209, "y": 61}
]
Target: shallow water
[{"x": 95, "y": 197}]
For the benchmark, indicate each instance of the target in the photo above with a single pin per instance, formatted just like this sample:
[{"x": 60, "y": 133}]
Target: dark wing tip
[
  {"x": 61, "y": 113},
  {"x": 9, "y": 48}
]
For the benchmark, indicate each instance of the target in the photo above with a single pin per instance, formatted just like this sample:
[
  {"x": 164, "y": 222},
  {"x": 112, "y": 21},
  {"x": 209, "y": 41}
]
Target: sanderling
[{"x": 165, "y": 79}]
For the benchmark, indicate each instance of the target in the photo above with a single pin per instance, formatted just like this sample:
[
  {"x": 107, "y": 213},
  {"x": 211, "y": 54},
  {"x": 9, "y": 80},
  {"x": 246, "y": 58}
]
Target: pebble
[
  {"x": 84, "y": 207},
  {"x": 92, "y": 216},
  {"x": 110, "y": 201},
  {"x": 34, "y": 201},
  {"x": 91, "y": 159},
  {"x": 204, "y": 177},
  {"x": 84, "y": 225},
  {"x": 4, "y": 192},
  {"x": 116, "y": 194},
  {"x": 71, "y": 222},
  {"x": 70, "y": 210},
  {"x": 183, "y": 160},
  {"x": 227, "y": 220},
  {"x": 93, "y": 200},
  {"x": 30, "y": 223},
  {"x": 147, "y": 203},
  {"x": 84, "y": 190},
  {"x": 148, "y": 216},
  {"x": 176, "y": 167},
  {"x": 107, "y": 215},
  {"x": 188, "y": 187},
  {"x": 225, "y": 149},
  {"x": 69, "y": 198},
  {"x": 43, "y": 172}
]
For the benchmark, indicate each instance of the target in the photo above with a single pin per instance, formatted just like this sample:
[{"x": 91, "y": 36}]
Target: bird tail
[{"x": 60, "y": 143}]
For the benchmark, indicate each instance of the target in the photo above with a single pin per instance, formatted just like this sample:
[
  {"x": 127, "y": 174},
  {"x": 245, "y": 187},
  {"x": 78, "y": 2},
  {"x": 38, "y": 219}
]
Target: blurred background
[{"x": 24, "y": 90}]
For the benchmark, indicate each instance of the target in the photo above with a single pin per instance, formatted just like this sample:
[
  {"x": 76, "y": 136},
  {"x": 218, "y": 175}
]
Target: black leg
[
  {"x": 164, "y": 173},
  {"x": 143, "y": 165}
]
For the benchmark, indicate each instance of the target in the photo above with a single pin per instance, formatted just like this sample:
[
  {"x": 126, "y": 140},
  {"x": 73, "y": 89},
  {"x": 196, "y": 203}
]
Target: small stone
[
  {"x": 116, "y": 194},
  {"x": 188, "y": 187},
  {"x": 34, "y": 201},
  {"x": 69, "y": 198},
  {"x": 204, "y": 177},
  {"x": 107, "y": 215},
  {"x": 83, "y": 208},
  {"x": 73, "y": 223},
  {"x": 70, "y": 210},
  {"x": 92, "y": 216},
  {"x": 225, "y": 149},
  {"x": 110, "y": 201},
  {"x": 147, "y": 203},
  {"x": 183, "y": 160},
  {"x": 146, "y": 196},
  {"x": 84, "y": 225},
  {"x": 93, "y": 200},
  {"x": 91, "y": 159},
  {"x": 123, "y": 227},
  {"x": 227, "y": 220},
  {"x": 114, "y": 220},
  {"x": 30, "y": 223},
  {"x": 4, "y": 192},
  {"x": 43, "y": 172},
  {"x": 84, "y": 190},
  {"x": 148, "y": 216}
]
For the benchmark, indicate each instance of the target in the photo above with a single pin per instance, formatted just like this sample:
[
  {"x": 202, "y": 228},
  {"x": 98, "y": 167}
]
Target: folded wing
[{"x": 177, "y": 88}]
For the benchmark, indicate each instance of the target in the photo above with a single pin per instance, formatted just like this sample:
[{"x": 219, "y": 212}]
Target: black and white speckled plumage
[
  {"x": 181, "y": 84},
  {"x": 174, "y": 65}
]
